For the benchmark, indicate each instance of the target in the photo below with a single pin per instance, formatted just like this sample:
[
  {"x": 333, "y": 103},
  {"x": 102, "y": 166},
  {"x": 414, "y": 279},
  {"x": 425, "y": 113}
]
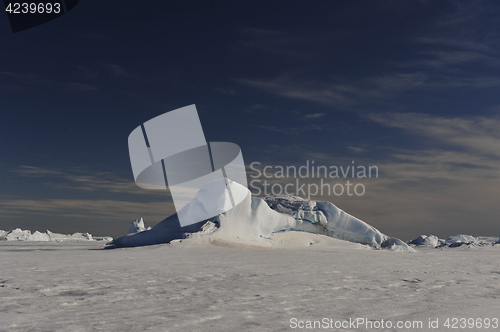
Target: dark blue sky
[{"x": 411, "y": 87}]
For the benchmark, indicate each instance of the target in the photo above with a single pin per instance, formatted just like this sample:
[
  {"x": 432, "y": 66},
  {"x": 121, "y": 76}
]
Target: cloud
[
  {"x": 79, "y": 180},
  {"x": 453, "y": 43},
  {"x": 293, "y": 130},
  {"x": 460, "y": 47},
  {"x": 314, "y": 116},
  {"x": 117, "y": 70},
  {"x": 34, "y": 80},
  {"x": 27, "y": 78},
  {"x": 456, "y": 50},
  {"x": 88, "y": 73},
  {"x": 254, "y": 108},
  {"x": 94, "y": 202},
  {"x": 75, "y": 208},
  {"x": 371, "y": 89},
  {"x": 451, "y": 183},
  {"x": 225, "y": 91},
  {"x": 478, "y": 135},
  {"x": 452, "y": 58},
  {"x": 37, "y": 171},
  {"x": 356, "y": 149}
]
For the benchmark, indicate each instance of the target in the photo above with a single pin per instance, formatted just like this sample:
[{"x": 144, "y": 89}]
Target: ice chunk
[
  {"x": 460, "y": 239},
  {"x": 427, "y": 241},
  {"x": 137, "y": 226},
  {"x": 19, "y": 235},
  {"x": 37, "y": 236}
]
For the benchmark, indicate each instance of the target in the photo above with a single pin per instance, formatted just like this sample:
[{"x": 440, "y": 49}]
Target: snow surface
[
  {"x": 256, "y": 221},
  {"x": 253, "y": 268},
  {"x": 26, "y": 235},
  {"x": 195, "y": 286}
]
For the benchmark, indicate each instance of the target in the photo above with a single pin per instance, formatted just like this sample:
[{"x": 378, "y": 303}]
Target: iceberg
[
  {"x": 453, "y": 241},
  {"x": 23, "y": 235},
  {"x": 257, "y": 220},
  {"x": 26, "y": 235}
]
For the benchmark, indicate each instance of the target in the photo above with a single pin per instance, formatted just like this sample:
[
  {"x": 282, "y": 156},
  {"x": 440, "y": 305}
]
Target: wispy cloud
[
  {"x": 88, "y": 209},
  {"x": 456, "y": 50},
  {"x": 225, "y": 91},
  {"x": 371, "y": 89},
  {"x": 27, "y": 78},
  {"x": 356, "y": 149},
  {"x": 478, "y": 135},
  {"x": 116, "y": 70},
  {"x": 452, "y": 58},
  {"x": 80, "y": 180},
  {"x": 108, "y": 206},
  {"x": 255, "y": 108},
  {"x": 460, "y": 48},
  {"x": 109, "y": 199},
  {"x": 88, "y": 73},
  {"x": 294, "y": 130},
  {"x": 314, "y": 116},
  {"x": 452, "y": 180},
  {"x": 453, "y": 43}
]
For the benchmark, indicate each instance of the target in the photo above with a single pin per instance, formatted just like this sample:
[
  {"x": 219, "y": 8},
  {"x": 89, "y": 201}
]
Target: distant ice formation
[
  {"x": 26, "y": 235},
  {"x": 137, "y": 226},
  {"x": 454, "y": 241},
  {"x": 255, "y": 220},
  {"x": 427, "y": 241}
]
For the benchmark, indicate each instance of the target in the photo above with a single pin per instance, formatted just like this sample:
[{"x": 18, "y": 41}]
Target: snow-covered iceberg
[
  {"x": 326, "y": 218},
  {"x": 454, "y": 241},
  {"x": 26, "y": 235},
  {"x": 257, "y": 220}
]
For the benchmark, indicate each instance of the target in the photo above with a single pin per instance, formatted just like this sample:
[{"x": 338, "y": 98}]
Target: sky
[{"x": 408, "y": 86}]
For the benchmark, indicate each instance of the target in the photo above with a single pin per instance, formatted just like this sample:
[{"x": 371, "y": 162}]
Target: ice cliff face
[
  {"x": 326, "y": 218},
  {"x": 256, "y": 219}
]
